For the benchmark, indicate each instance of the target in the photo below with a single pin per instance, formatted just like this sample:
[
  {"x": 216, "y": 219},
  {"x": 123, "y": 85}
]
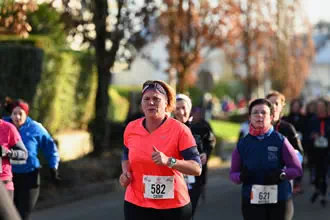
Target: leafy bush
[
  {"x": 196, "y": 96},
  {"x": 47, "y": 21},
  {"x": 61, "y": 92},
  {"x": 125, "y": 91},
  {"x": 230, "y": 88},
  {"x": 118, "y": 106},
  {"x": 238, "y": 118},
  {"x": 21, "y": 70}
]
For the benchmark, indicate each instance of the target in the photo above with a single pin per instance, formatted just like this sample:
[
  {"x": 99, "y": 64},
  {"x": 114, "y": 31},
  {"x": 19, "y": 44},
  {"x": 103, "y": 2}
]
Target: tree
[
  {"x": 293, "y": 49},
  {"x": 13, "y": 16},
  {"x": 255, "y": 44},
  {"x": 115, "y": 30},
  {"x": 46, "y": 20},
  {"x": 192, "y": 27},
  {"x": 271, "y": 48}
]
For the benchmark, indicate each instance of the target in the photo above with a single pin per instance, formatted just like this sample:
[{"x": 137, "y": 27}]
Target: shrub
[
  {"x": 21, "y": 70},
  {"x": 230, "y": 88},
  {"x": 61, "y": 92},
  {"x": 196, "y": 96},
  {"x": 118, "y": 106}
]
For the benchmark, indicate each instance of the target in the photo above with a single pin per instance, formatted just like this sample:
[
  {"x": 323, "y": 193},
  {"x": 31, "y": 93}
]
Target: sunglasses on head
[{"x": 153, "y": 85}]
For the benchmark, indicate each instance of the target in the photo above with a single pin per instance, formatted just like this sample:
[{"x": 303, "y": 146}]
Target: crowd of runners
[
  {"x": 164, "y": 160},
  {"x": 166, "y": 150},
  {"x": 20, "y": 140}
]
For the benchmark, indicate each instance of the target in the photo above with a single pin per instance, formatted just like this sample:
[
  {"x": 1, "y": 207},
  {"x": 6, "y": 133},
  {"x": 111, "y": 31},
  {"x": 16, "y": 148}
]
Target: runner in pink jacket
[{"x": 12, "y": 151}]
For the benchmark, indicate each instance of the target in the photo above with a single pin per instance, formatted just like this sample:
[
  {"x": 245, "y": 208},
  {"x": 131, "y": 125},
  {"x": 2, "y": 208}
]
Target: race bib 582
[{"x": 158, "y": 187}]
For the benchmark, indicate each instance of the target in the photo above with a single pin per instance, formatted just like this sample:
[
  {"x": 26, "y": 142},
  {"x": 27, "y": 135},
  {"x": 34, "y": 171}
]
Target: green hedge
[
  {"x": 118, "y": 105},
  {"x": 59, "y": 84},
  {"x": 64, "y": 94},
  {"x": 196, "y": 96},
  {"x": 230, "y": 88},
  {"x": 21, "y": 70}
]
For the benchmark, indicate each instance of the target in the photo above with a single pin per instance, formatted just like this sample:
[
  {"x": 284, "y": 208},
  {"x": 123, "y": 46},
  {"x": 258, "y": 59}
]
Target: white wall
[{"x": 142, "y": 70}]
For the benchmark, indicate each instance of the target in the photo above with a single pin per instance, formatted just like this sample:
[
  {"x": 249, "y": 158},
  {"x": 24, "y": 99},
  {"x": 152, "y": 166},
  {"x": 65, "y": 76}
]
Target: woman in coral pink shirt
[{"x": 158, "y": 151}]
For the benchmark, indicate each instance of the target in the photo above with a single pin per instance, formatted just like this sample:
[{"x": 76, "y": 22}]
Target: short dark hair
[
  {"x": 324, "y": 101},
  {"x": 261, "y": 102},
  {"x": 297, "y": 100}
]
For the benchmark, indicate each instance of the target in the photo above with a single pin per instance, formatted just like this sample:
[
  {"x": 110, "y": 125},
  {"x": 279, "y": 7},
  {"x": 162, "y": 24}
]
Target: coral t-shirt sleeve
[{"x": 186, "y": 139}]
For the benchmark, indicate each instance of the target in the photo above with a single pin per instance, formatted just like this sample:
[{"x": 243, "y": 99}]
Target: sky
[{"x": 317, "y": 10}]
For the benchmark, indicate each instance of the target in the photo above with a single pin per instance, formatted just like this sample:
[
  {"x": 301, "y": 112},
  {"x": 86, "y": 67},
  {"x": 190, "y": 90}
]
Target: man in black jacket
[
  {"x": 202, "y": 128},
  {"x": 287, "y": 129},
  {"x": 205, "y": 141}
]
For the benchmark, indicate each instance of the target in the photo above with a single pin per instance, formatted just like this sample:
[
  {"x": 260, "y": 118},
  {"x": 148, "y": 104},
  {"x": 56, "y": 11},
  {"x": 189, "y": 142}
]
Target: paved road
[{"x": 223, "y": 202}]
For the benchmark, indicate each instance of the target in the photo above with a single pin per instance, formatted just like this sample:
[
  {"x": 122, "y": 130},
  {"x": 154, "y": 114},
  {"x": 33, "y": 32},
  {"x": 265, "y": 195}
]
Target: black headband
[{"x": 156, "y": 87}]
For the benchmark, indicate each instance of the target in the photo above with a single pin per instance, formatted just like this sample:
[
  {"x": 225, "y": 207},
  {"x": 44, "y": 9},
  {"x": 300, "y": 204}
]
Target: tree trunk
[
  {"x": 247, "y": 53},
  {"x": 249, "y": 76},
  {"x": 172, "y": 77},
  {"x": 101, "y": 131}
]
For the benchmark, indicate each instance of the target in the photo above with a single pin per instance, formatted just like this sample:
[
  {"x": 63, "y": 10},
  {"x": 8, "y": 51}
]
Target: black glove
[
  {"x": 273, "y": 177},
  {"x": 246, "y": 176},
  {"x": 4, "y": 151},
  {"x": 55, "y": 175}
]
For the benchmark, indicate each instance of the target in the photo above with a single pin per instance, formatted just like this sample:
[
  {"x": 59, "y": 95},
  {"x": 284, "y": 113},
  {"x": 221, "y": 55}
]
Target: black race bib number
[
  {"x": 264, "y": 196},
  {"x": 158, "y": 189}
]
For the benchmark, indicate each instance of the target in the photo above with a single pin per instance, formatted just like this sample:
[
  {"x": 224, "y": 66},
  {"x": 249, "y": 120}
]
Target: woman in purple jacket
[{"x": 264, "y": 161}]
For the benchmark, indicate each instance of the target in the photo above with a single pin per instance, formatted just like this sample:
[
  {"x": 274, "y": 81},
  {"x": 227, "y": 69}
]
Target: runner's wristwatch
[
  {"x": 283, "y": 176},
  {"x": 171, "y": 162}
]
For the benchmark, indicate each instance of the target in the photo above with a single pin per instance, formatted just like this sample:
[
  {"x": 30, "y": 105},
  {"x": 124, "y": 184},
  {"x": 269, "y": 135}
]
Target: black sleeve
[
  {"x": 293, "y": 138},
  {"x": 191, "y": 154},
  {"x": 125, "y": 153},
  {"x": 209, "y": 143},
  {"x": 18, "y": 152}
]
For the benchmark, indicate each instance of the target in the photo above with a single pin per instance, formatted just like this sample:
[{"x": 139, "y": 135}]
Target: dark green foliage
[
  {"x": 118, "y": 106},
  {"x": 47, "y": 21},
  {"x": 196, "y": 96},
  {"x": 65, "y": 98},
  {"x": 126, "y": 90},
  {"x": 230, "y": 88},
  {"x": 61, "y": 89},
  {"x": 238, "y": 118},
  {"x": 21, "y": 68}
]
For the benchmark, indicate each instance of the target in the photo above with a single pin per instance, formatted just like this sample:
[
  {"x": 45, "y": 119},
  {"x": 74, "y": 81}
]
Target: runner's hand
[
  {"x": 55, "y": 176},
  {"x": 246, "y": 176},
  {"x": 4, "y": 151},
  {"x": 273, "y": 177},
  {"x": 203, "y": 158},
  {"x": 125, "y": 179},
  {"x": 159, "y": 157}
]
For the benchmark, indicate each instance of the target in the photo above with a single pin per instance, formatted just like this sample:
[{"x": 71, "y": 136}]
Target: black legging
[
  {"x": 26, "y": 192},
  {"x": 283, "y": 210},
  {"x": 194, "y": 194},
  {"x": 133, "y": 212},
  {"x": 321, "y": 170}
]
